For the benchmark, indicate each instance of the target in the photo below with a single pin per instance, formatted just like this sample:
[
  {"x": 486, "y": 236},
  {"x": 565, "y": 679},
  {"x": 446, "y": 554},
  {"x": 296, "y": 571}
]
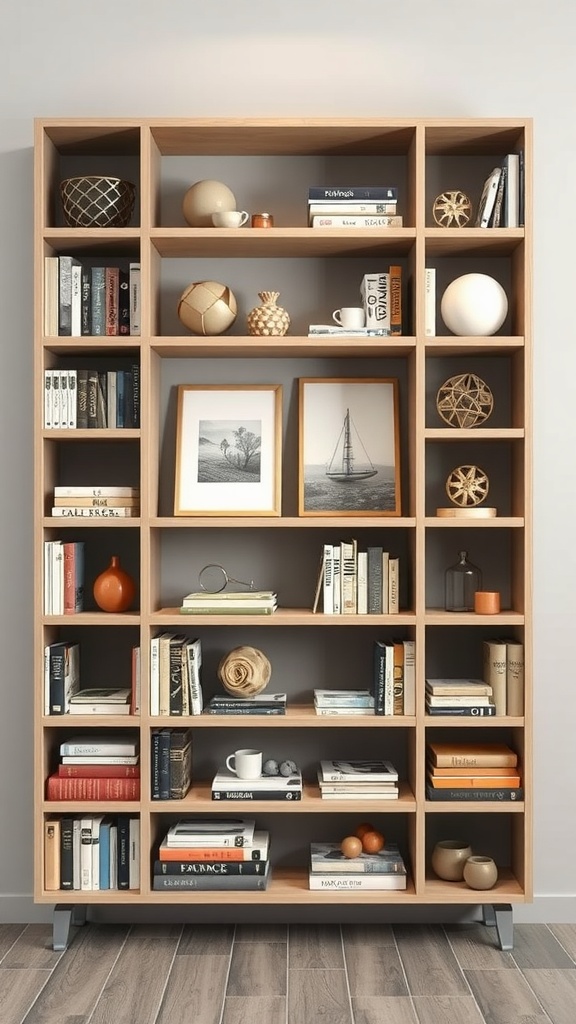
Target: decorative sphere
[
  {"x": 205, "y": 198},
  {"x": 207, "y": 307},
  {"x": 474, "y": 305},
  {"x": 270, "y": 767},
  {"x": 288, "y": 768}
]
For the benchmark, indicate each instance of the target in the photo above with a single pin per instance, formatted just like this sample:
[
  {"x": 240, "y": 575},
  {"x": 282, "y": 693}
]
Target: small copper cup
[{"x": 262, "y": 220}]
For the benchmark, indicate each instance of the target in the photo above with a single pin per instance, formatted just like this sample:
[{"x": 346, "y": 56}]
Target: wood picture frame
[
  {"x": 361, "y": 417},
  {"x": 228, "y": 450}
]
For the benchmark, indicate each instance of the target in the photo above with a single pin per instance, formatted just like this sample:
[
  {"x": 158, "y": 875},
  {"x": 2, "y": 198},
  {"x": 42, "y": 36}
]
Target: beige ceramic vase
[
  {"x": 268, "y": 320},
  {"x": 114, "y": 589},
  {"x": 480, "y": 872},
  {"x": 448, "y": 859}
]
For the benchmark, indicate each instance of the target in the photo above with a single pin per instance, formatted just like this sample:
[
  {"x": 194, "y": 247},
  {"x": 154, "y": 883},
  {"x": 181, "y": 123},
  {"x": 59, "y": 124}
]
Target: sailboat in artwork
[{"x": 341, "y": 467}]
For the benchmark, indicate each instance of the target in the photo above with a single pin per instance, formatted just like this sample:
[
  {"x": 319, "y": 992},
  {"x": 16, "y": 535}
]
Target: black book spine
[
  {"x": 86, "y": 317},
  {"x": 176, "y": 677},
  {"x": 66, "y": 854},
  {"x": 475, "y": 795},
  {"x": 57, "y": 678},
  {"x": 135, "y": 375},
  {"x": 82, "y": 400},
  {"x": 155, "y": 765},
  {"x": 220, "y": 867},
  {"x": 123, "y": 851},
  {"x": 379, "y": 677},
  {"x": 123, "y": 303},
  {"x": 164, "y": 764}
]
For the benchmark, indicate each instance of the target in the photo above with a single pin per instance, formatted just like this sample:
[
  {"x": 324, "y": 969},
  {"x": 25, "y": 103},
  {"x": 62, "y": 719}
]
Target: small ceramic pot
[
  {"x": 114, "y": 589},
  {"x": 480, "y": 872},
  {"x": 449, "y": 857}
]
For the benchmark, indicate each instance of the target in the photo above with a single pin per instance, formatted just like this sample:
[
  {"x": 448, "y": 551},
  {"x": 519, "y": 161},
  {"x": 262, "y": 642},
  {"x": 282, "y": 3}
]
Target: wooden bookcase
[{"x": 269, "y": 165}]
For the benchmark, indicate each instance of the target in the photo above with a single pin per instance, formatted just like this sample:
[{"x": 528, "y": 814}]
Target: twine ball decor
[
  {"x": 207, "y": 307},
  {"x": 205, "y": 198},
  {"x": 474, "y": 305},
  {"x": 244, "y": 671},
  {"x": 97, "y": 201},
  {"x": 452, "y": 209},
  {"x": 467, "y": 486},
  {"x": 464, "y": 400}
]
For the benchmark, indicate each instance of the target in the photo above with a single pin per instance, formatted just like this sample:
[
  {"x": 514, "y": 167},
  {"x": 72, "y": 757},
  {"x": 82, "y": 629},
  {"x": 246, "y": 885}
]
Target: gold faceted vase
[{"x": 269, "y": 319}]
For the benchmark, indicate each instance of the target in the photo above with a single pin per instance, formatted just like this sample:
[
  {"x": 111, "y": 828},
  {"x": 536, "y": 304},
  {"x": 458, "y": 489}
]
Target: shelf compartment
[
  {"x": 495, "y": 345},
  {"x": 473, "y": 241}
]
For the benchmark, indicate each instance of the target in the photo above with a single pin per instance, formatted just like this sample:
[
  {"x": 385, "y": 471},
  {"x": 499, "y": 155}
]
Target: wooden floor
[{"x": 288, "y": 974}]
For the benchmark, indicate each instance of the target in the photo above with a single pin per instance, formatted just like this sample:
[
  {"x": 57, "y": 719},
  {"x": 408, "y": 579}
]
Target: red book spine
[
  {"x": 58, "y": 788},
  {"x": 98, "y": 771},
  {"x": 69, "y": 579}
]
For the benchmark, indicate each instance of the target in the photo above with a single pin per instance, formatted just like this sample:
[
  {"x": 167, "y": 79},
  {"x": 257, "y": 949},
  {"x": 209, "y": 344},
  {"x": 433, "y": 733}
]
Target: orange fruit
[
  {"x": 363, "y": 828},
  {"x": 372, "y": 842},
  {"x": 351, "y": 846}
]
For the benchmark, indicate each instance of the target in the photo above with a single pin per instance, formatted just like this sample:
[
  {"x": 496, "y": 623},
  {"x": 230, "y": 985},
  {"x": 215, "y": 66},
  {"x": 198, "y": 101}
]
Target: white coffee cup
[
  {"x": 352, "y": 317},
  {"x": 247, "y": 763},
  {"x": 230, "y": 218}
]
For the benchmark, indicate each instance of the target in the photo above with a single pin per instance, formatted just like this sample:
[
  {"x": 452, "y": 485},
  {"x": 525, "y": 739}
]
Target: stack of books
[
  {"x": 207, "y": 853},
  {"x": 92, "y": 852},
  {"x": 171, "y": 763},
  {"x": 175, "y": 682},
  {"x": 103, "y": 700},
  {"x": 315, "y": 330},
  {"x": 259, "y": 704},
  {"x": 227, "y": 786},
  {"x": 96, "y": 767},
  {"x": 473, "y": 772},
  {"x": 371, "y": 206},
  {"x": 358, "y": 780},
  {"x": 96, "y": 502},
  {"x": 466, "y": 697},
  {"x": 330, "y": 869},
  {"x": 248, "y": 602},
  {"x": 343, "y": 702}
]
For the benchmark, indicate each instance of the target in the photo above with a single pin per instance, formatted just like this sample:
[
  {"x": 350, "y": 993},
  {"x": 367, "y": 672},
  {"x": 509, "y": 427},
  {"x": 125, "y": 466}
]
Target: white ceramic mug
[
  {"x": 230, "y": 218},
  {"x": 352, "y": 317},
  {"x": 247, "y": 763}
]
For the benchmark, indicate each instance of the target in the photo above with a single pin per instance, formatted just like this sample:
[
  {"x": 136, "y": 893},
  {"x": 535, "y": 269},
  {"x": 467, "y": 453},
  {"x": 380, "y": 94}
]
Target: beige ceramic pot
[
  {"x": 480, "y": 872},
  {"x": 449, "y": 857}
]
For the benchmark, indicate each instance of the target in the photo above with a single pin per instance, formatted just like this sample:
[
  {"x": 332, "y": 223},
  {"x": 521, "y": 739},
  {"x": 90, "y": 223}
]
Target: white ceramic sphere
[
  {"x": 205, "y": 198},
  {"x": 474, "y": 305},
  {"x": 207, "y": 307}
]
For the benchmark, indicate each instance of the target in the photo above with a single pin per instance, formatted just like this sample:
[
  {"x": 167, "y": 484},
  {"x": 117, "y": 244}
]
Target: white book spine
[
  {"x": 56, "y": 402},
  {"x": 76, "y": 301},
  {"x": 155, "y": 676},
  {"x": 337, "y": 578},
  {"x": 385, "y": 581},
  {"x": 328, "y": 587},
  {"x": 72, "y": 398},
  {"x": 57, "y": 595},
  {"x": 362, "y": 594},
  {"x": 48, "y": 399},
  {"x": 389, "y": 681},
  {"x": 409, "y": 677},
  {"x": 86, "y": 854},
  {"x": 430, "y": 302},
  {"x": 64, "y": 418},
  {"x": 356, "y": 221},
  {"x": 48, "y": 577},
  {"x": 393, "y": 584}
]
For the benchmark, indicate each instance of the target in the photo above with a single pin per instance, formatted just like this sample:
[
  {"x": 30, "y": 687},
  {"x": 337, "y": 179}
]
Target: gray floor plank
[
  {"x": 374, "y": 971},
  {"x": 9, "y": 933},
  {"x": 383, "y": 1010},
  {"x": 314, "y": 946},
  {"x": 536, "y": 946},
  {"x": 368, "y": 934},
  {"x": 195, "y": 990},
  {"x": 261, "y": 933},
  {"x": 556, "y": 990},
  {"x": 33, "y": 948},
  {"x": 430, "y": 965},
  {"x": 134, "y": 990},
  {"x": 504, "y": 997},
  {"x": 566, "y": 935},
  {"x": 206, "y": 939},
  {"x": 18, "y": 990},
  {"x": 258, "y": 969},
  {"x": 475, "y": 947},
  {"x": 77, "y": 980},
  {"x": 254, "y": 1010},
  {"x": 318, "y": 996},
  {"x": 447, "y": 1010}
]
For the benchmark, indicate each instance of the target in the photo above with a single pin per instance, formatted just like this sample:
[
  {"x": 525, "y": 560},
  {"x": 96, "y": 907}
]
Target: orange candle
[{"x": 487, "y": 602}]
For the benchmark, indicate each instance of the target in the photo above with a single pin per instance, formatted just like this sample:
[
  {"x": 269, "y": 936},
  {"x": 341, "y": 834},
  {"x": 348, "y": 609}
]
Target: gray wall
[{"x": 509, "y": 58}]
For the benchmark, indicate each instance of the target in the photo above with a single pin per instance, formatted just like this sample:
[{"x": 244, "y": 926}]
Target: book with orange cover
[
  {"x": 472, "y": 755},
  {"x": 457, "y": 772},
  {"x": 475, "y": 782}
]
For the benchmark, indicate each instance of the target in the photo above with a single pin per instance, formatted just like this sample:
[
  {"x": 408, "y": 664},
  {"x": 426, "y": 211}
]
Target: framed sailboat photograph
[{"x": 349, "y": 447}]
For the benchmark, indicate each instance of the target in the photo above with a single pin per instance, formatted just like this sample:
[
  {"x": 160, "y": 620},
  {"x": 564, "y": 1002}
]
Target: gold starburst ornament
[
  {"x": 467, "y": 487},
  {"x": 452, "y": 209}
]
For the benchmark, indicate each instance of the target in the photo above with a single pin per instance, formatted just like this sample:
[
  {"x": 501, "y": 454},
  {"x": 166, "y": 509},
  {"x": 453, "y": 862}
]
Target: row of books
[
  {"x": 206, "y": 853},
  {"x": 329, "y": 205},
  {"x": 96, "y": 502},
  {"x": 171, "y": 763},
  {"x": 331, "y": 870},
  {"x": 472, "y": 772},
  {"x": 63, "y": 577},
  {"x": 230, "y": 602},
  {"x": 394, "y": 677},
  {"x": 175, "y": 677},
  {"x": 92, "y": 852},
  {"x": 502, "y": 200},
  {"x": 353, "y": 582},
  {"x": 503, "y": 670},
  {"x": 82, "y": 300},
  {"x": 86, "y": 399}
]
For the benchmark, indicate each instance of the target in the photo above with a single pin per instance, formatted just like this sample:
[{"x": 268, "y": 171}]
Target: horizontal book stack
[
  {"x": 171, "y": 763},
  {"x": 63, "y": 577},
  {"x": 175, "y": 678},
  {"x": 394, "y": 678},
  {"x": 473, "y": 772},
  {"x": 330, "y": 869},
  {"x": 104, "y": 700},
  {"x": 85, "y": 399},
  {"x": 353, "y": 582},
  {"x": 207, "y": 853},
  {"x": 248, "y": 602},
  {"x": 96, "y": 502},
  {"x": 227, "y": 786},
  {"x": 371, "y": 206},
  {"x": 381, "y": 295},
  {"x": 88, "y": 301},
  {"x": 463, "y": 697},
  {"x": 259, "y": 704},
  {"x": 358, "y": 780},
  {"x": 94, "y": 768},
  {"x": 343, "y": 702},
  {"x": 92, "y": 852}
]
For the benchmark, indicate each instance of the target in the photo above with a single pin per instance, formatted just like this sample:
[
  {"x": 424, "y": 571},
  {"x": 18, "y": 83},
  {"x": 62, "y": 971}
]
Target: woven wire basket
[{"x": 96, "y": 201}]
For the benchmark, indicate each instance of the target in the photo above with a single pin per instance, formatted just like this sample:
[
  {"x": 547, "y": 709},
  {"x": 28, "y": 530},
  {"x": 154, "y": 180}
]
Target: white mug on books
[
  {"x": 247, "y": 763},
  {"x": 352, "y": 317}
]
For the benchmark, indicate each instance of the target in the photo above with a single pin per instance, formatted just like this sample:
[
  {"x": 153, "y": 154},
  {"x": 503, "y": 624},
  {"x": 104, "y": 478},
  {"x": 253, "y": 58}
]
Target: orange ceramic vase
[{"x": 114, "y": 589}]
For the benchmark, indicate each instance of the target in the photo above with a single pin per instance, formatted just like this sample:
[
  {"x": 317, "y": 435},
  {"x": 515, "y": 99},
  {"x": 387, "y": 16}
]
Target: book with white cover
[
  {"x": 355, "y": 881},
  {"x": 225, "y": 779},
  {"x": 211, "y": 832},
  {"x": 328, "y": 858},
  {"x": 376, "y": 771},
  {"x": 359, "y": 220},
  {"x": 430, "y": 302},
  {"x": 104, "y": 745},
  {"x": 343, "y": 698}
]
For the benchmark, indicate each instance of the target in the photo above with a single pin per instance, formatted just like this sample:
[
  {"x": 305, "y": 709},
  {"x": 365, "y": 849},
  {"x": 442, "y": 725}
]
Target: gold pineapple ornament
[{"x": 268, "y": 320}]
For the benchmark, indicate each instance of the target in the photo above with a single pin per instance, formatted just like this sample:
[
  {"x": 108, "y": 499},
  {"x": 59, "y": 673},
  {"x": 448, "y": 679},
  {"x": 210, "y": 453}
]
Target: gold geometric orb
[
  {"x": 452, "y": 209},
  {"x": 464, "y": 400},
  {"x": 467, "y": 486},
  {"x": 207, "y": 307}
]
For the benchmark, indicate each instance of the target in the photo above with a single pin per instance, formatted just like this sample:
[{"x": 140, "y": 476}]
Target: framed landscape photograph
[
  {"x": 349, "y": 447},
  {"x": 228, "y": 450}
]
